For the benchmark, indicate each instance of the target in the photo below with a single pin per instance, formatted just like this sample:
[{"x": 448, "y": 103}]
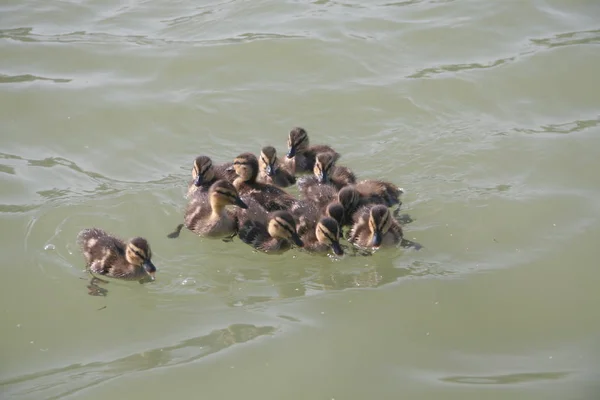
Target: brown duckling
[
  {"x": 327, "y": 173},
  {"x": 270, "y": 171},
  {"x": 352, "y": 199},
  {"x": 110, "y": 256},
  {"x": 301, "y": 156},
  {"x": 273, "y": 237},
  {"x": 271, "y": 197},
  {"x": 375, "y": 227},
  {"x": 204, "y": 174},
  {"x": 207, "y": 215},
  {"x": 379, "y": 192},
  {"x": 323, "y": 236},
  {"x": 335, "y": 210},
  {"x": 319, "y": 195}
]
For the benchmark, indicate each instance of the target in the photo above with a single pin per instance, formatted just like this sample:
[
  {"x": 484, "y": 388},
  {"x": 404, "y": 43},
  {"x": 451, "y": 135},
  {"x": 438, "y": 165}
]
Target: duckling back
[{"x": 97, "y": 244}]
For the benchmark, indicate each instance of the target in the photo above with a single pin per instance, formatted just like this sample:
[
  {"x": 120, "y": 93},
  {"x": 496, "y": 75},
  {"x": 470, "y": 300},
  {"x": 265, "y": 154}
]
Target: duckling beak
[
  {"x": 240, "y": 203},
  {"x": 198, "y": 181},
  {"x": 337, "y": 249},
  {"x": 291, "y": 152},
  {"x": 376, "y": 239},
  {"x": 297, "y": 240},
  {"x": 322, "y": 177},
  {"x": 270, "y": 170},
  {"x": 150, "y": 268}
]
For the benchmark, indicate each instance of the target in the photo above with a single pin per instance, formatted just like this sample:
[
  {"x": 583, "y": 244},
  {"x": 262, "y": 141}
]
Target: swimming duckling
[
  {"x": 375, "y": 227},
  {"x": 270, "y": 197},
  {"x": 327, "y": 173},
  {"x": 323, "y": 236},
  {"x": 204, "y": 174},
  {"x": 377, "y": 191},
  {"x": 300, "y": 157},
  {"x": 350, "y": 200},
  {"x": 206, "y": 213},
  {"x": 274, "y": 237},
  {"x": 110, "y": 256},
  {"x": 335, "y": 210},
  {"x": 319, "y": 195},
  {"x": 270, "y": 171}
]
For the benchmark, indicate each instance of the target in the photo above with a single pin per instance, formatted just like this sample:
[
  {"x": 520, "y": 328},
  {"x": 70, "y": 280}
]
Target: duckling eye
[
  {"x": 327, "y": 235},
  {"x": 206, "y": 168},
  {"x": 226, "y": 194},
  {"x": 140, "y": 255},
  {"x": 285, "y": 227}
]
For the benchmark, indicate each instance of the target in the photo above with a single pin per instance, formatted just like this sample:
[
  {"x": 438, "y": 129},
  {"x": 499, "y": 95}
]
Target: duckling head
[
  {"x": 380, "y": 221},
  {"x": 349, "y": 198},
  {"x": 222, "y": 193},
  {"x": 246, "y": 167},
  {"x": 335, "y": 210},
  {"x": 328, "y": 232},
  {"x": 283, "y": 226},
  {"x": 138, "y": 253},
  {"x": 268, "y": 159},
  {"x": 202, "y": 170},
  {"x": 297, "y": 141},
  {"x": 324, "y": 164}
]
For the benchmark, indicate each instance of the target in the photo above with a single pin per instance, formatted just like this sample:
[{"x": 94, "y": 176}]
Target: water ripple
[
  {"x": 426, "y": 72},
  {"x": 59, "y": 382},
  {"x": 570, "y": 38},
  {"x": 507, "y": 379},
  {"x": 564, "y": 128},
  {"x": 29, "y": 78}
]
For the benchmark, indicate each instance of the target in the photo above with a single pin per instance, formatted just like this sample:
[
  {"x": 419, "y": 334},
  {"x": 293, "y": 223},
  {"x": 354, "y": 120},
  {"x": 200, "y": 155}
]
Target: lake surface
[{"x": 486, "y": 113}]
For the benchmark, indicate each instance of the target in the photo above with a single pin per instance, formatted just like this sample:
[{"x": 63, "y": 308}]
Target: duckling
[
  {"x": 110, "y": 256},
  {"x": 319, "y": 195},
  {"x": 300, "y": 157},
  {"x": 374, "y": 227},
  {"x": 350, "y": 200},
  {"x": 322, "y": 237},
  {"x": 270, "y": 171},
  {"x": 307, "y": 212},
  {"x": 327, "y": 173},
  {"x": 270, "y": 197},
  {"x": 335, "y": 210},
  {"x": 206, "y": 214},
  {"x": 204, "y": 174},
  {"x": 377, "y": 191},
  {"x": 273, "y": 237}
]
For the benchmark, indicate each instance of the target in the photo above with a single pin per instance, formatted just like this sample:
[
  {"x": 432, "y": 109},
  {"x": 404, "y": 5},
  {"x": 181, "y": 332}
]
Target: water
[{"x": 486, "y": 113}]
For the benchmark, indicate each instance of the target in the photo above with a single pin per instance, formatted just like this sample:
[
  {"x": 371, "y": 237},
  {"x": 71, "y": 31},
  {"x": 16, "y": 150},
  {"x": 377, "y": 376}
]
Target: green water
[{"x": 486, "y": 113}]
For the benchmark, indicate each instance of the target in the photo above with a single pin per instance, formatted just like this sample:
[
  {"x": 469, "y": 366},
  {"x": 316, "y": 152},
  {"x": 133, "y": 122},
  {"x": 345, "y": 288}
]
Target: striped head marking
[
  {"x": 283, "y": 226},
  {"x": 328, "y": 232},
  {"x": 297, "y": 141},
  {"x": 223, "y": 193},
  {"x": 380, "y": 221},
  {"x": 268, "y": 160},
  {"x": 138, "y": 253},
  {"x": 323, "y": 167},
  {"x": 202, "y": 170},
  {"x": 246, "y": 166}
]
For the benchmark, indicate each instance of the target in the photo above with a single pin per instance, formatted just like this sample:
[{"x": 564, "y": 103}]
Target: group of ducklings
[{"x": 246, "y": 198}]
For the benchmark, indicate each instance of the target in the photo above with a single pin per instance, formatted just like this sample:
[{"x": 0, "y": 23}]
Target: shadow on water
[{"x": 59, "y": 382}]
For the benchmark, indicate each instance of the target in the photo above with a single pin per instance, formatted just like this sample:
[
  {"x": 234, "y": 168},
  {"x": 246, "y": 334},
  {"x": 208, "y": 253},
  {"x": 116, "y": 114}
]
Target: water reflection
[{"x": 292, "y": 281}]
